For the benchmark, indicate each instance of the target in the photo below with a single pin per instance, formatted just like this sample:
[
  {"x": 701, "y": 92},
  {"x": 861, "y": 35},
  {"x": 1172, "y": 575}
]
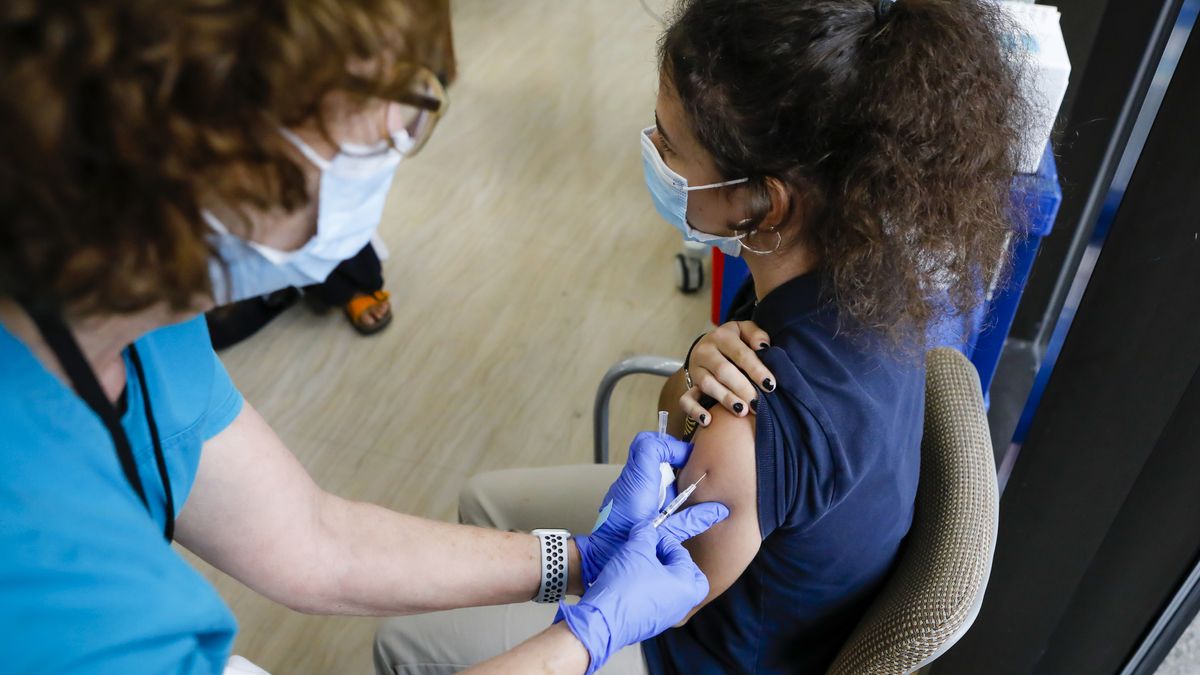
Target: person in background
[{"x": 355, "y": 285}]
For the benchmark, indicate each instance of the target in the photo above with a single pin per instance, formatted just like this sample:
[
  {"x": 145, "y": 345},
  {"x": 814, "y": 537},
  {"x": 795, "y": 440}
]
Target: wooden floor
[{"x": 525, "y": 259}]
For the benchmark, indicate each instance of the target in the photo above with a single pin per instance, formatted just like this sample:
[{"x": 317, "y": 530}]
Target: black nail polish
[
  {"x": 768, "y": 384},
  {"x": 754, "y": 405},
  {"x": 763, "y": 346},
  {"x": 703, "y": 418},
  {"x": 738, "y": 407}
]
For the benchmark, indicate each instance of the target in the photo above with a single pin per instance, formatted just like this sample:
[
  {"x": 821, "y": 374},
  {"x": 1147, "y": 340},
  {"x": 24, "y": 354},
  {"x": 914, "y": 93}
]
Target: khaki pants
[{"x": 518, "y": 500}]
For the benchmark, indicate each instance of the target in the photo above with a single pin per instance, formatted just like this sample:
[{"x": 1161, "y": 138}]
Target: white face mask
[
  {"x": 670, "y": 191},
  {"x": 353, "y": 188}
]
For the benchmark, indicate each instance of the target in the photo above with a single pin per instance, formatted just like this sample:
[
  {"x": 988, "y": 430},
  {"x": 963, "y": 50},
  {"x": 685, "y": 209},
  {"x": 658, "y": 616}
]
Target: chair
[{"x": 935, "y": 592}]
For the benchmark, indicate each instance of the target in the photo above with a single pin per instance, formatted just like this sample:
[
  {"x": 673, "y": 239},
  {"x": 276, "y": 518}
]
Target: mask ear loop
[{"x": 305, "y": 149}]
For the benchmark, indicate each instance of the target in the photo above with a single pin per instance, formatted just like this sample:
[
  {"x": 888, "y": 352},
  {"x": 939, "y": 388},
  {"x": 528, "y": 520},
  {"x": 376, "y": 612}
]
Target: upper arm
[
  {"x": 253, "y": 510},
  {"x": 725, "y": 451}
]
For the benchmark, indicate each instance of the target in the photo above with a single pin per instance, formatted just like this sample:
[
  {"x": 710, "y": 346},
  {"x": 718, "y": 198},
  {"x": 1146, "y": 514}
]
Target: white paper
[
  {"x": 238, "y": 665},
  {"x": 1038, "y": 45}
]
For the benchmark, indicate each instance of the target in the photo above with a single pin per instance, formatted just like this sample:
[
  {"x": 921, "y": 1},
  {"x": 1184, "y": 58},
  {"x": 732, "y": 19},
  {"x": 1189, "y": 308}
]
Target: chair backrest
[{"x": 934, "y": 594}]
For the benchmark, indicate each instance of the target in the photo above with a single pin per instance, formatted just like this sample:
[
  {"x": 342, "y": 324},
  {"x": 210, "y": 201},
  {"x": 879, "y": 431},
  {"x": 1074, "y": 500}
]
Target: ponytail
[{"x": 894, "y": 124}]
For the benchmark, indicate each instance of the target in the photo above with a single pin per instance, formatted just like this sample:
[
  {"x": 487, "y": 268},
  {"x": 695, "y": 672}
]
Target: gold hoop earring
[{"x": 778, "y": 244}]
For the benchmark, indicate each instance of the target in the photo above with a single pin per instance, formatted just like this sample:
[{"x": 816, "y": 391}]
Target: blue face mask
[{"x": 670, "y": 191}]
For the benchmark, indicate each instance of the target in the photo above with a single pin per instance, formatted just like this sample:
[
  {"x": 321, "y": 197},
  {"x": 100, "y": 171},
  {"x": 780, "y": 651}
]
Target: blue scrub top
[{"x": 87, "y": 582}]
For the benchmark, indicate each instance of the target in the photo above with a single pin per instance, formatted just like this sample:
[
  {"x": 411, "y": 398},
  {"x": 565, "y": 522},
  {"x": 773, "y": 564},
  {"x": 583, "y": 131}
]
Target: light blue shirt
[{"x": 87, "y": 582}]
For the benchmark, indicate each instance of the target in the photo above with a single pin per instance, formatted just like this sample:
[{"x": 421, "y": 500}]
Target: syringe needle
[{"x": 678, "y": 501}]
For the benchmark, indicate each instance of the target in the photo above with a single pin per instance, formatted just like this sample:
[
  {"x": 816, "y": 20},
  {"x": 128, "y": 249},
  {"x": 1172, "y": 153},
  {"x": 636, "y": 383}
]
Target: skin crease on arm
[
  {"x": 725, "y": 450},
  {"x": 255, "y": 513}
]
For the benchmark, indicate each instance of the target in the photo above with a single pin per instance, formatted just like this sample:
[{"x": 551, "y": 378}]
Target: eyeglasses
[
  {"x": 415, "y": 112},
  {"x": 418, "y": 112}
]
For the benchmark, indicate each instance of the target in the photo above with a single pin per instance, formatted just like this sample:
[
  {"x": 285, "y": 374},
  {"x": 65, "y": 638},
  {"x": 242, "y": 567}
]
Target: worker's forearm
[
  {"x": 554, "y": 650},
  {"x": 388, "y": 563}
]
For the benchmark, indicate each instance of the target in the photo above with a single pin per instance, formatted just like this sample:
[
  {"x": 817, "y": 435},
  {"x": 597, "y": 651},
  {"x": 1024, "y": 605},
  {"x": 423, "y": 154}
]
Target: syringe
[{"x": 677, "y": 502}]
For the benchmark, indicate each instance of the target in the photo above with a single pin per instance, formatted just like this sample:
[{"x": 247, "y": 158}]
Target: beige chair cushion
[{"x": 935, "y": 592}]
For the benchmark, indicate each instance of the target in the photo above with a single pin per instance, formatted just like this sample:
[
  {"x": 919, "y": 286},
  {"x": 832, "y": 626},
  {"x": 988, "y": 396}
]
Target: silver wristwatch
[{"x": 553, "y": 566}]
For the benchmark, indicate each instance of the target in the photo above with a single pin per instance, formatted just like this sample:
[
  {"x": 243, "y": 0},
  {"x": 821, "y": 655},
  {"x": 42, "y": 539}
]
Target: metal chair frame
[{"x": 634, "y": 365}]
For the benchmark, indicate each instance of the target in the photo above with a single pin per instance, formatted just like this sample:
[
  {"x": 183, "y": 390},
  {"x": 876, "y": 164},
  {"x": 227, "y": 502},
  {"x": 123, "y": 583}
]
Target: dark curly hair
[
  {"x": 118, "y": 118},
  {"x": 897, "y": 135}
]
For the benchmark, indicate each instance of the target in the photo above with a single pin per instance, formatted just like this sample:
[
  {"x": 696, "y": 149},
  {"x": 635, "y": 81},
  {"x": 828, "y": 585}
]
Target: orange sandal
[{"x": 357, "y": 308}]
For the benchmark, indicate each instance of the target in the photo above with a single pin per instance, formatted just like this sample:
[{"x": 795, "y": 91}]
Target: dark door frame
[
  {"x": 1124, "y": 41},
  {"x": 1100, "y": 520}
]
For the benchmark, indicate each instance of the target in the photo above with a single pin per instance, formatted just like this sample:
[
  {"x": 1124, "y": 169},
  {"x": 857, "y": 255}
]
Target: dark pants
[
  {"x": 231, "y": 324},
  {"x": 361, "y": 274}
]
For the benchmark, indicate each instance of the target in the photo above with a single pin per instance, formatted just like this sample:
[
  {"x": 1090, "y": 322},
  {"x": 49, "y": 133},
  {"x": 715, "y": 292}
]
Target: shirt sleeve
[
  {"x": 225, "y": 401},
  {"x": 797, "y": 464}
]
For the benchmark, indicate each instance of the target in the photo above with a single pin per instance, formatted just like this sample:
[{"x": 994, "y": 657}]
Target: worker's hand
[
  {"x": 724, "y": 365},
  {"x": 637, "y": 495},
  {"x": 649, "y": 585}
]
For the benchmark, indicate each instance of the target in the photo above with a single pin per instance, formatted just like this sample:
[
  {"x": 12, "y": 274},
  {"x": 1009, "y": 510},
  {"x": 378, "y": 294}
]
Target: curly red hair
[{"x": 119, "y": 118}]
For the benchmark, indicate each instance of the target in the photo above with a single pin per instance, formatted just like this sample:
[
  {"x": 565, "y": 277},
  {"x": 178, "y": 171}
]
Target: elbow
[
  {"x": 314, "y": 580},
  {"x": 304, "y": 608},
  {"x": 305, "y": 603},
  {"x": 305, "y": 591}
]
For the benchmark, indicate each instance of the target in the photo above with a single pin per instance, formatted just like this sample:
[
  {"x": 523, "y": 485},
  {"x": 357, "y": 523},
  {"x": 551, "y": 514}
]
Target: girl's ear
[{"x": 780, "y": 204}]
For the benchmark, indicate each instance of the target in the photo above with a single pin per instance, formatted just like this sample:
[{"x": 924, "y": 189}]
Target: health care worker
[{"x": 158, "y": 156}]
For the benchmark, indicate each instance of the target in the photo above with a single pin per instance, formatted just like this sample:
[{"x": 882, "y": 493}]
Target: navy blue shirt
[{"x": 838, "y": 452}]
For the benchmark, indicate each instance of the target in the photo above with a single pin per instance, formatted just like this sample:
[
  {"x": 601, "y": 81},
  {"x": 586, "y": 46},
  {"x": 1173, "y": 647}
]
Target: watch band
[{"x": 553, "y": 545}]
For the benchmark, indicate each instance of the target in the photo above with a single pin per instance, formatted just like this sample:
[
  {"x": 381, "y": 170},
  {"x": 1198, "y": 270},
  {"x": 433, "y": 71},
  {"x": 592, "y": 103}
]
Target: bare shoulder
[{"x": 725, "y": 452}]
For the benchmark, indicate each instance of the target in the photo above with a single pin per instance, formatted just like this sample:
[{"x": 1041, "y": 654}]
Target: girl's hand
[{"x": 716, "y": 368}]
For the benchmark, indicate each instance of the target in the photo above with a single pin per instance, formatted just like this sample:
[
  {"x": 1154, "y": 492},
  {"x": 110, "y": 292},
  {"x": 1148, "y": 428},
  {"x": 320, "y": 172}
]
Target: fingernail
[
  {"x": 738, "y": 407},
  {"x": 703, "y": 418},
  {"x": 768, "y": 384},
  {"x": 763, "y": 345},
  {"x": 754, "y": 405}
]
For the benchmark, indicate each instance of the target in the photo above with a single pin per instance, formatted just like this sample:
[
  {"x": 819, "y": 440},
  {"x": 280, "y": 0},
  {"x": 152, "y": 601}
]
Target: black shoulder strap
[
  {"x": 159, "y": 460},
  {"x": 60, "y": 340}
]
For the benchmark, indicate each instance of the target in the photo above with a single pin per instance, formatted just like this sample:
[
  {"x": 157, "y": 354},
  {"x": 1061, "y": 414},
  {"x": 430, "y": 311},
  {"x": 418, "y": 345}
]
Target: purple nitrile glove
[
  {"x": 635, "y": 496},
  {"x": 648, "y": 586}
]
